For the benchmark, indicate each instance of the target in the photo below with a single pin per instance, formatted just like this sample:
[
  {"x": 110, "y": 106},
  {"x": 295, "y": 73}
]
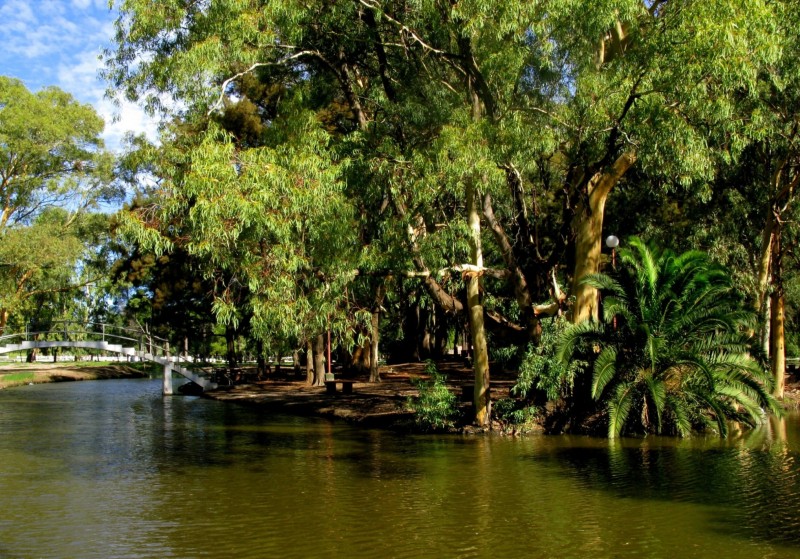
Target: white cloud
[
  {"x": 124, "y": 118},
  {"x": 58, "y": 42}
]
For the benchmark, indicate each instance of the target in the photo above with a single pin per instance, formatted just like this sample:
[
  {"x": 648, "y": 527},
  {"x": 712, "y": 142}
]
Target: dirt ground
[{"x": 380, "y": 404}]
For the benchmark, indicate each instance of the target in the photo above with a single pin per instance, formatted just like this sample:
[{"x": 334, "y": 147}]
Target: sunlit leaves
[
  {"x": 50, "y": 152},
  {"x": 675, "y": 353}
]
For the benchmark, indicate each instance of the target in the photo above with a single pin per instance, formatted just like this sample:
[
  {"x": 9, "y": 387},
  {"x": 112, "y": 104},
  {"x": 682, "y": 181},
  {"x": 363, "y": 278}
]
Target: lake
[{"x": 112, "y": 469}]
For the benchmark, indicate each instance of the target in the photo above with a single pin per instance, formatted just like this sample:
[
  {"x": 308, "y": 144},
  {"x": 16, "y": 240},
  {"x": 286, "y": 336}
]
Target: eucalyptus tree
[
  {"x": 36, "y": 259},
  {"x": 51, "y": 153},
  {"x": 760, "y": 186},
  {"x": 52, "y": 169},
  {"x": 268, "y": 227},
  {"x": 53, "y": 268},
  {"x": 777, "y": 130},
  {"x": 495, "y": 112}
]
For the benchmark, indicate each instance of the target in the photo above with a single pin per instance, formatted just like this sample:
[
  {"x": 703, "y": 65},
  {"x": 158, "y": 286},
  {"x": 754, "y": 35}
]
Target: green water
[{"x": 111, "y": 469}]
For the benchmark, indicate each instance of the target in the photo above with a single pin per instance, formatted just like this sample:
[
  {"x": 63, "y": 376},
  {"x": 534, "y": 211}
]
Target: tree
[
  {"x": 36, "y": 259},
  {"x": 50, "y": 153},
  {"x": 256, "y": 219},
  {"x": 473, "y": 139},
  {"x": 51, "y": 159},
  {"x": 672, "y": 352}
]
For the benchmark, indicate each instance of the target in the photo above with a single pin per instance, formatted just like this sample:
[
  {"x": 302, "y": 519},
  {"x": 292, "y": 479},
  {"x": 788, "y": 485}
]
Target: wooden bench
[{"x": 347, "y": 385}]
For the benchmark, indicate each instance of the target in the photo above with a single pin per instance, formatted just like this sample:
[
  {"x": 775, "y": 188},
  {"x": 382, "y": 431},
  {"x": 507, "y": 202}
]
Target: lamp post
[{"x": 612, "y": 242}]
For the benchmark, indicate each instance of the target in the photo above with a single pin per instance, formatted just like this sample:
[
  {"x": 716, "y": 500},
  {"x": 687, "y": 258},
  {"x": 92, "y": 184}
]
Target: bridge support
[{"x": 167, "y": 390}]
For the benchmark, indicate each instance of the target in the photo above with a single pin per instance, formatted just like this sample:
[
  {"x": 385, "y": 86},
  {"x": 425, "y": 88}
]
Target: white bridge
[{"x": 106, "y": 338}]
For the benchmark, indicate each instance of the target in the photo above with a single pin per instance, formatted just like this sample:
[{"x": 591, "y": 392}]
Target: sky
[{"x": 58, "y": 42}]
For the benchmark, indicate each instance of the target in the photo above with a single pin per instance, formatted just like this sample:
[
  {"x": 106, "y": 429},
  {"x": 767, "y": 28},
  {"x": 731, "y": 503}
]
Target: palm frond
[
  {"x": 605, "y": 368},
  {"x": 680, "y": 412},
  {"x": 719, "y": 413},
  {"x": 658, "y": 397},
  {"x": 569, "y": 339},
  {"x": 754, "y": 413},
  {"x": 619, "y": 408}
]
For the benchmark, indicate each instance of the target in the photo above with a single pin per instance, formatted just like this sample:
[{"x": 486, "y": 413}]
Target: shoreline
[
  {"x": 381, "y": 405},
  {"x": 21, "y": 374}
]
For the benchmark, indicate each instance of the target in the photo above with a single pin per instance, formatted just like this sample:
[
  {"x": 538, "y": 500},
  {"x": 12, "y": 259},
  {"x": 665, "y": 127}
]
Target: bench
[{"x": 347, "y": 385}]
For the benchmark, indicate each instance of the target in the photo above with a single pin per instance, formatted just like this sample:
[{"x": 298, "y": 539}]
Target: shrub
[
  {"x": 514, "y": 415},
  {"x": 435, "y": 407},
  {"x": 541, "y": 370}
]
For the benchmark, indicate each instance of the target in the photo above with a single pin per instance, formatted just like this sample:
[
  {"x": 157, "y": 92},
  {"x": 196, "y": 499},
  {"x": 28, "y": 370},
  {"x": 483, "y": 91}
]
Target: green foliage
[
  {"x": 435, "y": 407},
  {"x": 268, "y": 225},
  {"x": 52, "y": 170},
  {"x": 515, "y": 415},
  {"x": 671, "y": 353},
  {"x": 505, "y": 357},
  {"x": 16, "y": 379},
  {"x": 322, "y": 138},
  {"x": 50, "y": 152},
  {"x": 541, "y": 370}
]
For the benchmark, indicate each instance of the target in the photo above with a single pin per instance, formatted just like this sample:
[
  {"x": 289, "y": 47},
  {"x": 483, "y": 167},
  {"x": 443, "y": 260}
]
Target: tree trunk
[
  {"x": 764, "y": 262},
  {"x": 230, "y": 345},
  {"x": 588, "y": 226},
  {"x": 777, "y": 348},
  {"x": 262, "y": 367},
  {"x": 411, "y": 328},
  {"x": 518, "y": 279},
  {"x": 319, "y": 360},
  {"x": 374, "y": 372},
  {"x": 423, "y": 333},
  {"x": 762, "y": 303},
  {"x": 358, "y": 360},
  {"x": 777, "y": 355},
  {"x": 309, "y": 364},
  {"x": 296, "y": 363},
  {"x": 480, "y": 363}
]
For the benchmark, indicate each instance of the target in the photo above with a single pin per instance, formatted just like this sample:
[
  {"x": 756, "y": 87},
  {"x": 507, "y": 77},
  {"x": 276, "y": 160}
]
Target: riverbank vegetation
[{"x": 416, "y": 180}]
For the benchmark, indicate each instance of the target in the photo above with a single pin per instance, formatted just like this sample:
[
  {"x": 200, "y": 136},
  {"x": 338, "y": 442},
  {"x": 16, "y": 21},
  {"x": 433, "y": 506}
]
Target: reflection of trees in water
[{"x": 751, "y": 484}]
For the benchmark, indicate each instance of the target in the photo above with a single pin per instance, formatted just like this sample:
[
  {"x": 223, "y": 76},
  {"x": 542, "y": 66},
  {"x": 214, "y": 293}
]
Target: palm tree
[{"x": 670, "y": 352}]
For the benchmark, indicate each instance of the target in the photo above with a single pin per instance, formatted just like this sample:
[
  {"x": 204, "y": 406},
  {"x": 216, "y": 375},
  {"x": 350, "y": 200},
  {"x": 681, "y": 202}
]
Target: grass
[
  {"x": 81, "y": 370},
  {"x": 15, "y": 379}
]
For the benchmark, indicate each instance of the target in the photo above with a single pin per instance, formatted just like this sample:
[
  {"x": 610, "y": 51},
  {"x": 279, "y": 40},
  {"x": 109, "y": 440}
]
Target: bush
[
  {"x": 505, "y": 358},
  {"x": 514, "y": 415},
  {"x": 435, "y": 407},
  {"x": 541, "y": 370}
]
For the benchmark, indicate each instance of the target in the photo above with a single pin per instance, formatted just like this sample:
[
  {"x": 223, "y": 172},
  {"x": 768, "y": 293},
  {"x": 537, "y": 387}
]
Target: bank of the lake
[
  {"x": 19, "y": 374},
  {"x": 385, "y": 404},
  {"x": 382, "y": 405}
]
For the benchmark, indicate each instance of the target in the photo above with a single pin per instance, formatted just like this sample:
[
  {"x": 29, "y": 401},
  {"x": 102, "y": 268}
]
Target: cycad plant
[{"x": 670, "y": 352}]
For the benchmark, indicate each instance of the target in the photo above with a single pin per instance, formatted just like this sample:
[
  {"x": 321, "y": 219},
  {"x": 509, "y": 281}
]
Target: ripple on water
[{"x": 118, "y": 471}]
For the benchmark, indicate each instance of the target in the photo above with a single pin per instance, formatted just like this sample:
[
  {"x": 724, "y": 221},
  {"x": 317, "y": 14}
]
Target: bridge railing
[{"x": 97, "y": 332}]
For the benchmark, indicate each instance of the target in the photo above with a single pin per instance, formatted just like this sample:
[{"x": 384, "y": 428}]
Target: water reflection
[
  {"x": 749, "y": 486},
  {"x": 112, "y": 469}
]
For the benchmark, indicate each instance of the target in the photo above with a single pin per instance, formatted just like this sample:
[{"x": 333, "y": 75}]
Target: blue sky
[{"x": 57, "y": 42}]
